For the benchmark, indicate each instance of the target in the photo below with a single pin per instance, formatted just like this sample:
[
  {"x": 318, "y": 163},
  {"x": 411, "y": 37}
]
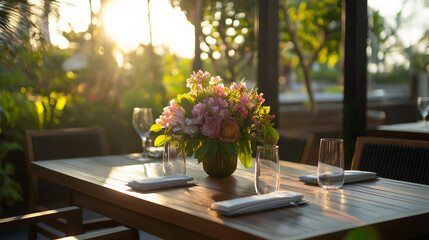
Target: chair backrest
[
  {"x": 58, "y": 144},
  {"x": 294, "y": 146},
  {"x": 400, "y": 159}
]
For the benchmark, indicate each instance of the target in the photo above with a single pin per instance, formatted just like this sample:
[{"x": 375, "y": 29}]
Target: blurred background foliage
[
  {"x": 310, "y": 34},
  {"x": 224, "y": 36}
]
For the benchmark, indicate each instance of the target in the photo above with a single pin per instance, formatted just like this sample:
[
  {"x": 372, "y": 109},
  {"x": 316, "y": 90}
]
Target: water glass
[
  {"x": 423, "y": 106},
  {"x": 267, "y": 169},
  {"x": 173, "y": 159},
  {"x": 330, "y": 169}
]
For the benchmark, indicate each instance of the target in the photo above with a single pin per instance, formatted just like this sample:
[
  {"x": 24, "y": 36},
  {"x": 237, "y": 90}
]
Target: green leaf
[
  {"x": 156, "y": 128},
  {"x": 272, "y": 132},
  {"x": 245, "y": 146},
  {"x": 189, "y": 149},
  {"x": 198, "y": 155},
  {"x": 229, "y": 148},
  {"x": 225, "y": 151},
  {"x": 246, "y": 159},
  {"x": 205, "y": 147},
  {"x": 161, "y": 140},
  {"x": 213, "y": 148},
  {"x": 266, "y": 109},
  {"x": 186, "y": 103}
]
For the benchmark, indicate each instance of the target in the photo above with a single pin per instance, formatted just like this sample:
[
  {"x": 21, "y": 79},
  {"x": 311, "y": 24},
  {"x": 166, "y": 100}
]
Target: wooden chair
[
  {"x": 295, "y": 146},
  {"x": 73, "y": 217},
  {"x": 58, "y": 144},
  {"x": 400, "y": 159}
]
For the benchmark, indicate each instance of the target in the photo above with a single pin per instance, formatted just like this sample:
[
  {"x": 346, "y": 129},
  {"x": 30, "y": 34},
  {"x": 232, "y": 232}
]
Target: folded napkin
[
  {"x": 161, "y": 182},
  {"x": 257, "y": 203},
  {"x": 349, "y": 176}
]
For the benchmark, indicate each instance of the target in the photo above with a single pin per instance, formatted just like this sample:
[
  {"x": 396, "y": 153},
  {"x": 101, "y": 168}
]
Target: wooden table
[
  {"x": 412, "y": 130},
  {"x": 392, "y": 209}
]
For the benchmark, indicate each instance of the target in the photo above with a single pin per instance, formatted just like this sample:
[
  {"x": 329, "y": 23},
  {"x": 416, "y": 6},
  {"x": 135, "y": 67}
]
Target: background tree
[
  {"x": 388, "y": 55},
  {"x": 224, "y": 35},
  {"x": 314, "y": 29}
]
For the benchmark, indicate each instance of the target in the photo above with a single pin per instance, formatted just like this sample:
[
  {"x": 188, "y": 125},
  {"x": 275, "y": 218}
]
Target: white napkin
[
  {"x": 161, "y": 182},
  {"x": 257, "y": 203},
  {"x": 349, "y": 176}
]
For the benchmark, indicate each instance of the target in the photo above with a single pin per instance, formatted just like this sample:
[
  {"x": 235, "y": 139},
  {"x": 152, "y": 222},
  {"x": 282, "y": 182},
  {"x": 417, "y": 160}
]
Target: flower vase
[{"x": 219, "y": 166}]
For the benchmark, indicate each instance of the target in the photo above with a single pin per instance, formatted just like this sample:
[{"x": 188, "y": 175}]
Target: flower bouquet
[{"x": 217, "y": 124}]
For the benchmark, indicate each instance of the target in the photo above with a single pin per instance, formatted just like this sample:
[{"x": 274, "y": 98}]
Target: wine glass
[
  {"x": 423, "y": 106},
  {"x": 142, "y": 121}
]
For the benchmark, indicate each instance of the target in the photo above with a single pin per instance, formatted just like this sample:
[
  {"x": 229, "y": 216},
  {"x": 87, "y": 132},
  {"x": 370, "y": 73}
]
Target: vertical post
[
  {"x": 267, "y": 28},
  {"x": 355, "y": 80}
]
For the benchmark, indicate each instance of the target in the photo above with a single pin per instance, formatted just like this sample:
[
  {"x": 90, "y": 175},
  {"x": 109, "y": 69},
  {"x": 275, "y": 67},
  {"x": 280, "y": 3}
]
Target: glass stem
[{"x": 144, "y": 146}]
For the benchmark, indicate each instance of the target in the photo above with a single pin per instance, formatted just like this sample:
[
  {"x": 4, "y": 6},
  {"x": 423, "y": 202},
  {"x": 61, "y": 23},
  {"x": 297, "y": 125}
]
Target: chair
[
  {"x": 73, "y": 216},
  {"x": 400, "y": 159},
  {"x": 58, "y": 144},
  {"x": 295, "y": 146}
]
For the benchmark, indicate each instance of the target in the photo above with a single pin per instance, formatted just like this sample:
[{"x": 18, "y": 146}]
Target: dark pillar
[
  {"x": 355, "y": 80},
  {"x": 267, "y": 28}
]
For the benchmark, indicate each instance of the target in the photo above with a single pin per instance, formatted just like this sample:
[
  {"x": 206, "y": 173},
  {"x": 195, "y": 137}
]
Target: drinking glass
[
  {"x": 142, "y": 121},
  {"x": 267, "y": 169},
  {"x": 173, "y": 158},
  {"x": 330, "y": 168},
  {"x": 423, "y": 106}
]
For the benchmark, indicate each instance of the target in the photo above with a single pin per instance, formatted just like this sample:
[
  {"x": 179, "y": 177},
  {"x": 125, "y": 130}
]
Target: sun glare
[
  {"x": 126, "y": 22},
  {"x": 73, "y": 15}
]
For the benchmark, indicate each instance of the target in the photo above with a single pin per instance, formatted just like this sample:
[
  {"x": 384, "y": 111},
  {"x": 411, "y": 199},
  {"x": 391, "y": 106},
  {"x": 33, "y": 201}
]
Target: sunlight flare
[{"x": 126, "y": 23}]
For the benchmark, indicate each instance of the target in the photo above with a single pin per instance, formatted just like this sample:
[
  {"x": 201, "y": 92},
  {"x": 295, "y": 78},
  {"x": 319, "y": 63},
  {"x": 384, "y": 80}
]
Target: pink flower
[
  {"x": 197, "y": 120},
  {"x": 211, "y": 102},
  {"x": 220, "y": 90},
  {"x": 196, "y": 80},
  {"x": 162, "y": 120},
  {"x": 244, "y": 99},
  {"x": 215, "y": 109},
  {"x": 222, "y": 103},
  {"x": 233, "y": 86},
  {"x": 198, "y": 109},
  {"x": 230, "y": 131},
  {"x": 189, "y": 127},
  {"x": 224, "y": 113},
  {"x": 244, "y": 113},
  {"x": 243, "y": 86},
  {"x": 215, "y": 80},
  {"x": 211, "y": 126},
  {"x": 198, "y": 113},
  {"x": 261, "y": 100},
  {"x": 238, "y": 107},
  {"x": 167, "y": 117}
]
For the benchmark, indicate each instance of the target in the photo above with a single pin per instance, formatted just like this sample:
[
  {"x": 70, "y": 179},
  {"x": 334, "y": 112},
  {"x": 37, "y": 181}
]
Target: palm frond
[{"x": 14, "y": 14}]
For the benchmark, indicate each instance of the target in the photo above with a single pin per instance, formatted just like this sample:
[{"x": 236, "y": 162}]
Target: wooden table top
[
  {"x": 417, "y": 127},
  {"x": 412, "y": 130},
  {"x": 382, "y": 207}
]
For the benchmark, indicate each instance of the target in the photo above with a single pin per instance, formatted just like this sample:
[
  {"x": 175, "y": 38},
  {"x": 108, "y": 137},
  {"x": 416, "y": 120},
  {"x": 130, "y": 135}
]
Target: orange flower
[{"x": 229, "y": 132}]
